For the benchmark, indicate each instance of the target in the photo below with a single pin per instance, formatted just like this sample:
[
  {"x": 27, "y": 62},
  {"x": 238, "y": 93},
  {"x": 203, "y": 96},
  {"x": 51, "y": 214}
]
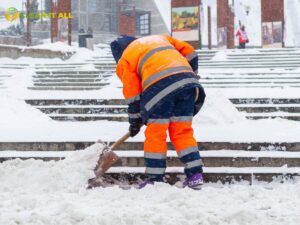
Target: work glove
[
  {"x": 135, "y": 126},
  {"x": 134, "y": 129}
]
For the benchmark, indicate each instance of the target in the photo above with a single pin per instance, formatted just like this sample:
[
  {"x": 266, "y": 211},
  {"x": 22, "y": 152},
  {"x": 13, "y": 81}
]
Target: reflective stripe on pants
[{"x": 174, "y": 116}]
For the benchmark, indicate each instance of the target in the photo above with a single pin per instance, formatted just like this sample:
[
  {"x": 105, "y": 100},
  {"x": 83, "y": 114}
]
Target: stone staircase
[
  {"x": 206, "y": 55},
  {"x": 83, "y": 109},
  {"x": 258, "y": 79},
  {"x": 70, "y": 79},
  {"x": 116, "y": 109},
  {"x": 3, "y": 79},
  {"x": 264, "y": 59},
  {"x": 224, "y": 161},
  {"x": 268, "y": 108}
]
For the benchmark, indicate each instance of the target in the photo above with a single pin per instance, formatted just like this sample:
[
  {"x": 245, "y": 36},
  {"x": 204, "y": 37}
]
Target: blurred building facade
[{"x": 109, "y": 18}]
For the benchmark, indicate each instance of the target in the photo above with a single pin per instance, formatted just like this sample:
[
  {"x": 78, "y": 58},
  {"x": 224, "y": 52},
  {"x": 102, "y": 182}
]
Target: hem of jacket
[{"x": 161, "y": 85}]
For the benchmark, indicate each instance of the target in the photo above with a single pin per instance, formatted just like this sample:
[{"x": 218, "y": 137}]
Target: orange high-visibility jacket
[{"x": 149, "y": 59}]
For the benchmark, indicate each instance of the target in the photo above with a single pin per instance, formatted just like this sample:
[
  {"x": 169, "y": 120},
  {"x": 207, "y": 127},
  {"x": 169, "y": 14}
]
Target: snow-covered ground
[{"x": 35, "y": 192}]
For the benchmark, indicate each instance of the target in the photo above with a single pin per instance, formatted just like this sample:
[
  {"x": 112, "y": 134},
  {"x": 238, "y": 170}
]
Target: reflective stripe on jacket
[
  {"x": 148, "y": 62},
  {"x": 150, "y": 59}
]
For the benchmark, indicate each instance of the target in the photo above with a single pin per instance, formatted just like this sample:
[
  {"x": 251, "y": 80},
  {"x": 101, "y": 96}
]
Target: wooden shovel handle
[{"x": 120, "y": 141}]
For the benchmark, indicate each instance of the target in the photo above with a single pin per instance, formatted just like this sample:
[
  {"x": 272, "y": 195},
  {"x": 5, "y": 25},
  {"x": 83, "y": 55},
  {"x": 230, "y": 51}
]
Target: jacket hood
[{"x": 119, "y": 45}]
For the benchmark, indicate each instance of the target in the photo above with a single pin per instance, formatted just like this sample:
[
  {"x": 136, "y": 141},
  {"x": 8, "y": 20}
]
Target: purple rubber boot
[
  {"x": 144, "y": 184},
  {"x": 194, "y": 182}
]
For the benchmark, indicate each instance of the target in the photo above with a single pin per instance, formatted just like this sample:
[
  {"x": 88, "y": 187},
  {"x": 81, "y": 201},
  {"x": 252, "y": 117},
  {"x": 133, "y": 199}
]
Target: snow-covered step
[
  {"x": 261, "y": 60},
  {"x": 211, "y": 175},
  {"x": 265, "y": 100},
  {"x": 70, "y": 84},
  {"x": 108, "y": 57},
  {"x": 55, "y": 88},
  {"x": 251, "y": 66},
  {"x": 227, "y": 170},
  {"x": 49, "y": 65},
  {"x": 12, "y": 67},
  {"x": 170, "y": 153},
  {"x": 108, "y": 61},
  {"x": 67, "y": 76},
  {"x": 224, "y": 158},
  {"x": 67, "y": 80},
  {"x": 278, "y": 116},
  {"x": 249, "y": 81},
  {"x": 61, "y": 102},
  {"x": 250, "y": 62},
  {"x": 15, "y": 64},
  {"x": 264, "y": 58},
  {"x": 84, "y": 111},
  {"x": 133, "y": 146},
  {"x": 269, "y": 109},
  {"x": 89, "y": 106},
  {"x": 264, "y": 108},
  {"x": 262, "y": 53},
  {"x": 220, "y": 159},
  {"x": 252, "y": 78},
  {"x": 68, "y": 72},
  {"x": 249, "y": 74},
  {"x": 3, "y": 79},
  {"x": 254, "y": 105},
  {"x": 57, "y": 67},
  {"x": 93, "y": 110},
  {"x": 60, "y": 64},
  {"x": 105, "y": 68},
  {"x": 2, "y": 76},
  {"x": 89, "y": 117},
  {"x": 224, "y": 174},
  {"x": 240, "y": 86},
  {"x": 209, "y": 76},
  {"x": 116, "y": 109},
  {"x": 280, "y": 50}
]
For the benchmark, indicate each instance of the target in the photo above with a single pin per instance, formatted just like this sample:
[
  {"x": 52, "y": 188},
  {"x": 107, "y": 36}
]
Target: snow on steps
[
  {"x": 214, "y": 172},
  {"x": 132, "y": 146},
  {"x": 69, "y": 80},
  {"x": 116, "y": 110},
  {"x": 64, "y": 76}
]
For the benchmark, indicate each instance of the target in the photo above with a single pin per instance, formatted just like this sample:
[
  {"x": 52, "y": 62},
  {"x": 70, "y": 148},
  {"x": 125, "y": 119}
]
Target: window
[
  {"x": 92, "y": 6},
  {"x": 83, "y": 21},
  {"x": 83, "y": 5},
  {"x": 143, "y": 24},
  {"x": 75, "y": 22}
]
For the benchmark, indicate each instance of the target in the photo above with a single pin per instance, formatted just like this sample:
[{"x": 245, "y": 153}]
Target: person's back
[{"x": 159, "y": 83}]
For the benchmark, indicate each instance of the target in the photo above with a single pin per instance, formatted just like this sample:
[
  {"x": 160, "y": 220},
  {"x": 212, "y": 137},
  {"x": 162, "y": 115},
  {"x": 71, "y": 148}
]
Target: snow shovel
[{"x": 107, "y": 158}]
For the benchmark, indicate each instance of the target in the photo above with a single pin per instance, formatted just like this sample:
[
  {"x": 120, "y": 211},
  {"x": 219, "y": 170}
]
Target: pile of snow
[
  {"x": 36, "y": 192},
  {"x": 14, "y": 112},
  {"x": 57, "y": 46}
]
